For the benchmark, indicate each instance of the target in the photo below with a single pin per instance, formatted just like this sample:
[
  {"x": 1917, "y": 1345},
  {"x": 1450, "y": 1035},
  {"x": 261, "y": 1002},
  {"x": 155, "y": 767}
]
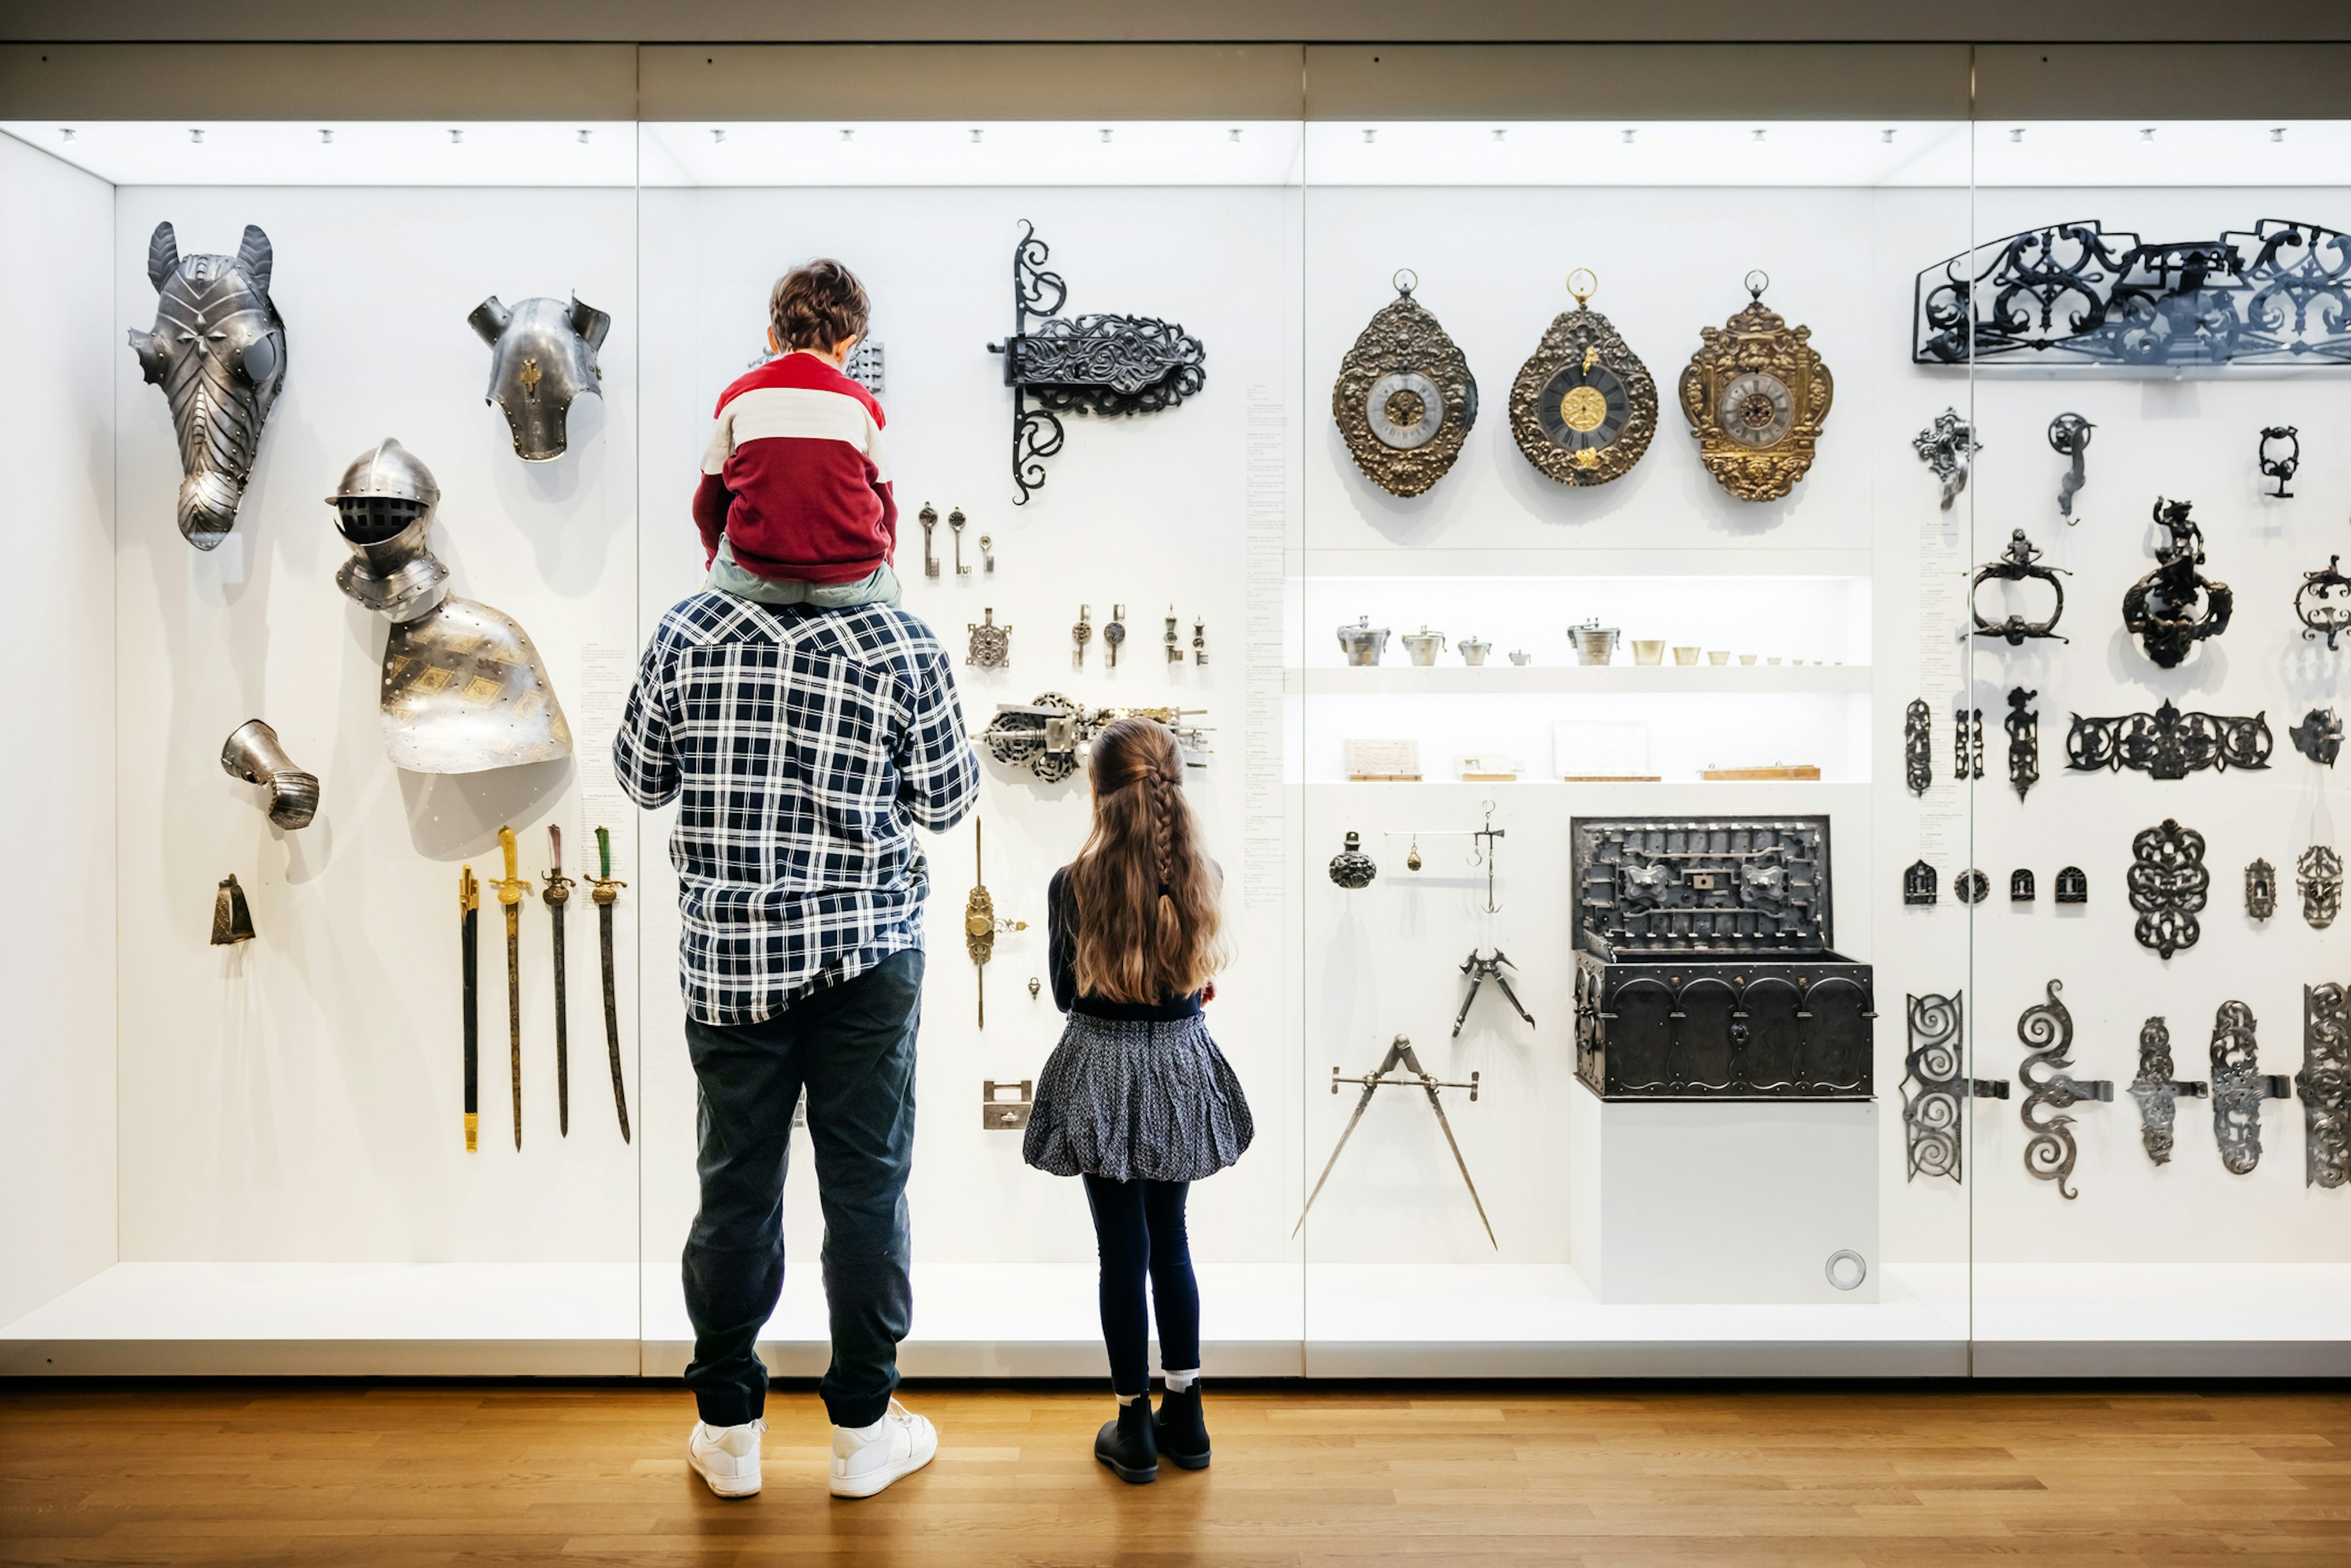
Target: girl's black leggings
[{"x": 1139, "y": 1228}]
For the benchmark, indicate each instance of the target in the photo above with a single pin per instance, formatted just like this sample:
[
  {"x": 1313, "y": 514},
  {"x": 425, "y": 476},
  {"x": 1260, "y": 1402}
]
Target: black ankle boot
[
  {"x": 1125, "y": 1444},
  {"x": 1181, "y": 1430}
]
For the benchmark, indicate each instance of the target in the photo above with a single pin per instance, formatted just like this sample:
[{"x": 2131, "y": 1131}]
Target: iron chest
[{"x": 1703, "y": 969}]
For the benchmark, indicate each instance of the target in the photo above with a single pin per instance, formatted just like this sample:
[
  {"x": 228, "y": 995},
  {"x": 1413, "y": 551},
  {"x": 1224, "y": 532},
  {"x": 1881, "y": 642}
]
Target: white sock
[
  {"x": 1128, "y": 1398},
  {"x": 1179, "y": 1381}
]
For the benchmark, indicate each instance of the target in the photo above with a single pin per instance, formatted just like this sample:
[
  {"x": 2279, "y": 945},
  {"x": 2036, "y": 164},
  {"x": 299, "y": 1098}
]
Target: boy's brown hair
[{"x": 818, "y": 305}]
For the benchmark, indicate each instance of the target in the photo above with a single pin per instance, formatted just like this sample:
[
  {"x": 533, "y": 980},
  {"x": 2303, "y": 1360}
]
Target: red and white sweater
[{"x": 795, "y": 476}]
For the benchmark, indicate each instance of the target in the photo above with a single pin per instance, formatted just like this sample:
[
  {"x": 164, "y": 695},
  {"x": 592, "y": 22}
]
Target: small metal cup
[
  {"x": 1424, "y": 644},
  {"x": 1473, "y": 650},
  {"x": 1649, "y": 650},
  {"x": 1594, "y": 643},
  {"x": 1687, "y": 655},
  {"x": 1746, "y": 658},
  {"x": 1717, "y": 655},
  {"x": 1364, "y": 643}
]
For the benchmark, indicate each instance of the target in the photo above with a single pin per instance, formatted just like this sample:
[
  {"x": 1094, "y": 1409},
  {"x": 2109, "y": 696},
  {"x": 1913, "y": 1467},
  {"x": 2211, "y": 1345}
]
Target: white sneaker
[
  {"x": 728, "y": 1458},
  {"x": 866, "y": 1460}
]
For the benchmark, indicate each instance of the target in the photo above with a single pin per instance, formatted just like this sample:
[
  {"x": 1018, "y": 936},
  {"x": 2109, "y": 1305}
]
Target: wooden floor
[{"x": 1809, "y": 1477}]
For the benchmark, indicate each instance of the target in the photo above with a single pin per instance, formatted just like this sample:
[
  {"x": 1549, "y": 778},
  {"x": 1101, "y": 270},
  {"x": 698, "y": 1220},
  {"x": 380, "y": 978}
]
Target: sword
[
  {"x": 1400, "y": 1051},
  {"x": 512, "y": 890},
  {"x": 469, "y": 915},
  {"x": 559, "y": 893},
  {"x": 604, "y": 891}
]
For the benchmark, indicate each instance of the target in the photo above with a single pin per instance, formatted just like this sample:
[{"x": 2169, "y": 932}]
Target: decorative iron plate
[
  {"x": 2261, "y": 890},
  {"x": 1947, "y": 448},
  {"x": 2168, "y": 884},
  {"x": 2047, "y": 1032},
  {"x": 2327, "y": 612},
  {"x": 2023, "y": 741},
  {"x": 2325, "y": 1084},
  {"x": 1932, "y": 1087},
  {"x": 1918, "y": 746},
  {"x": 2319, "y": 874},
  {"x": 1702, "y": 883},
  {"x": 1966, "y": 742},
  {"x": 2072, "y": 887},
  {"x": 2167, "y": 743},
  {"x": 2319, "y": 736},
  {"x": 1918, "y": 883},
  {"x": 2239, "y": 1087}
]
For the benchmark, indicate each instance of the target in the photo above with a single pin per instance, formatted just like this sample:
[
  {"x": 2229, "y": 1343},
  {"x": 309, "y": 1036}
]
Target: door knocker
[
  {"x": 2279, "y": 454},
  {"x": 2069, "y": 437},
  {"x": 2328, "y": 612},
  {"x": 1583, "y": 407},
  {"x": 1405, "y": 400},
  {"x": 2021, "y": 560},
  {"x": 2319, "y": 736},
  {"x": 2161, "y": 609}
]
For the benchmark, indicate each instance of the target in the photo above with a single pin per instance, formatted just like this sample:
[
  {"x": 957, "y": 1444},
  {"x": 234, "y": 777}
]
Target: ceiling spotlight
[
  {"x": 2277, "y": 134},
  {"x": 455, "y": 135},
  {"x": 1106, "y": 134},
  {"x": 583, "y": 139},
  {"x": 1499, "y": 133},
  {"x": 2147, "y": 134},
  {"x": 2016, "y": 134},
  {"x": 326, "y": 137},
  {"x": 1628, "y": 137},
  {"x": 718, "y": 134},
  {"x": 1369, "y": 135},
  {"x": 848, "y": 134},
  {"x": 975, "y": 135},
  {"x": 1885, "y": 135},
  {"x": 196, "y": 136},
  {"x": 1237, "y": 133},
  {"x": 65, "y": 134}
]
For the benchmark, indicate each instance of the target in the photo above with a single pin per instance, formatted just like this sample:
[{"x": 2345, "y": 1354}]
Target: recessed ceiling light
[
  {"x": 1369, "y": 135},
  {"x": 975, "y": 135},
  {"x": 196, "y": 136},
  {"x": 326, "y": 137},
  {"x": 455, "y": 135}
]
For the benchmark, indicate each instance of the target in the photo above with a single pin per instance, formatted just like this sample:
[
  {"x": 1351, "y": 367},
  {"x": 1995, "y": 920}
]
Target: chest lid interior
[{"x": 1693, "y": 884}]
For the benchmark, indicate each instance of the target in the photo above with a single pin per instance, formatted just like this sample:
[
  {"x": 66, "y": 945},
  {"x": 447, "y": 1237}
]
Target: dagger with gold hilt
[
  {"x": 604, "y": 891},
  {"x": 512, "y": 890},
  {"x": 559, "y": 893},
  {"x": 469, "y": 916}
]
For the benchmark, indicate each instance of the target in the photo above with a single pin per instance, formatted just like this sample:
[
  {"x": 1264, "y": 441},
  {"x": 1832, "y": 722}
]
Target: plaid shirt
[{"x": 807, "y": 745}]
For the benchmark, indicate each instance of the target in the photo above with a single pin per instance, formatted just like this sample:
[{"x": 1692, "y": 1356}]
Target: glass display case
[{"x": 1766, "y": 691}]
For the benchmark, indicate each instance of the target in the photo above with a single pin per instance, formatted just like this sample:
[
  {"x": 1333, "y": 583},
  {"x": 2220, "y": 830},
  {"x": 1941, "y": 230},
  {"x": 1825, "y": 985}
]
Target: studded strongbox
[{"x": 1703, "y": 969}]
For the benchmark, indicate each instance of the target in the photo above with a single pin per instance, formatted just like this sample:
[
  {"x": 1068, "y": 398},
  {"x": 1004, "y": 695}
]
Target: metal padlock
[{"x": 998, "y": 1115}]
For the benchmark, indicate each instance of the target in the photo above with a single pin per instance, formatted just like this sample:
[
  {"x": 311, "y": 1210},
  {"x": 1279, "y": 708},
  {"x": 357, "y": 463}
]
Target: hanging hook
[{"x": 1399, "y": 284}]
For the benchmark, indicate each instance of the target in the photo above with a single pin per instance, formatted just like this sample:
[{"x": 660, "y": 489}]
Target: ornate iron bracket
[
  {"x": 2239, "y": 1087},
  {"x": 1966, "y": 742},
  {"x": 2319, "y": 874},
  {"x": 1932, "y": 1087},
  {"x": 2021, "y": 560},
  {"x": 2325, "y": 1084},
  {"x": 2167, "y": 743},
  {"x": 2161, "y": 609},
  {"x": 1109, "y": 366},
  {"x": 2073, "y": 293},
  {"x": 2023, "y": 741},
  {"x": 2069, "y": 437},
  {"x": 2168, "y": 884},
  {"x": 2261, "y": 890},
  {"x": 2047, "y": 1032},
  {"x": 1918, "y": 746},
  {"x": 2327, "y": 612},
  {"x": 2158, "y": 1093},
  {"x": 1918, "y": 883},
  {"x": 1948, "y": 447},
  {"x": 2279, "y": 465},
  {"x": 2319, "y": 736}
]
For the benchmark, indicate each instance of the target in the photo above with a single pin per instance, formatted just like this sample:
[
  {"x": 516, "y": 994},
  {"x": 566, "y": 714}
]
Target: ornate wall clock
[
  {"x": 1756, "y": 395},
  {"x": 1405, "y": 398},
  {"x": 1583, "y": 407}
]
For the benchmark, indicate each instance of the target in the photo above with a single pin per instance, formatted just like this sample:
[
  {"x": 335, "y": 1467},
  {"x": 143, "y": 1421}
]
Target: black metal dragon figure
[
  {"x": 1103, "y": 365},
  {"x": 218, "y": 350},
  {"x": 2175, "y": 607}
]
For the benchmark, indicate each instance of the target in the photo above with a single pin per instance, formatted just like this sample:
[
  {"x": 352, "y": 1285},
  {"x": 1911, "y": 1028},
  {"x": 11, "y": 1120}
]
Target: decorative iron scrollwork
[
  {"x": 2047, "y": 1032},
  {"x": 2319, "y": 874},
  {"x": 2175, "y": 607},
  {"x": 1932, "y": 1087},
  {"x": 2325, "y": 1084},
  {"x": 1918, "y": 883},
  {"x": 1966, "y": 742},
  {"x": 1918, "y": 746},
  {"x": 2323, "y": 602},
  {"x": 2020, "y": 886},
  {"x": 1948, "y": 447},
  {"x": 2072, "y": 887},
  {"x": 1972, "y": 886},
  {"x": 2073, "y": 293},
  {"x": 2168, "y": 884},
  {"x": 1109, "y": 366},
  {"x": 2158, "y": 1093},
  {"x": 2069, "y": 437},
  {"x": 2319, "y": 736},
  {"x": 2261, "y": 890},
  {"x": 2024, "y": 728},
  {"x": 2281, "y": 463},
  {"x": 1049, "y": 736},
  {"x": 2019, "y": 561},
  {"x": 2239, "y": 1087},
  {"x": 2167, "y": 743}
]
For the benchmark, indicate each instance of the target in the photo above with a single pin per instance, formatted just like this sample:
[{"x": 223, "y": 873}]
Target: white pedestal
[{"x": 1724, "y": 1201}]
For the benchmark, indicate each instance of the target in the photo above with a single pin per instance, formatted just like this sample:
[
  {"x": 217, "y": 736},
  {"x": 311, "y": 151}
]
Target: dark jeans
[
  {"x": 854, "y": 1047},
  {"x": 1139, "y": 1229}
]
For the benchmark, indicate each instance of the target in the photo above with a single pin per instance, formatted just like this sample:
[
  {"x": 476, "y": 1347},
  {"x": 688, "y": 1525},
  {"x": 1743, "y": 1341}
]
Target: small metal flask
[{"x": 1351, "y": 868}]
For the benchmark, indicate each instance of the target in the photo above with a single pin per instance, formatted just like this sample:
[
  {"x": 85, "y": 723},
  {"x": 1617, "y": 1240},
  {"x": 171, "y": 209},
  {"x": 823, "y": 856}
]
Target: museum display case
[{"x": 1766, "y": 690}]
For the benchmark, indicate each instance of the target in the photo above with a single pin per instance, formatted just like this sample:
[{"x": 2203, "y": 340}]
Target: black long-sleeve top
[{"x": 1062, "y": 922}]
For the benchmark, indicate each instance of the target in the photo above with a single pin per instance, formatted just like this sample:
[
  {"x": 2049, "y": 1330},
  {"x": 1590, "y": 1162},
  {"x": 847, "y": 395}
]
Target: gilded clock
[
  {"x": 1405, "y": 398},
  {"x": 1756, "y": 395},
  {"x": 1583, "y": 407}
]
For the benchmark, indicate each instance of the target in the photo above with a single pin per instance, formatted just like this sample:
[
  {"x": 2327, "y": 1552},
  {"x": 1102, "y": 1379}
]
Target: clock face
[
  {"x": 1405, "y": 409},
  {"x": 1755, "y": 409},
  {"x": 1584, "y": 408}
]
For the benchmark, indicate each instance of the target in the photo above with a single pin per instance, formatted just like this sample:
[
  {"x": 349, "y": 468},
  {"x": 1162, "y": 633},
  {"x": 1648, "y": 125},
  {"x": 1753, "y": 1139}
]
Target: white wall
[
  {"x": 299, "y": 1097},
  {"x": 58, "y": 936}
]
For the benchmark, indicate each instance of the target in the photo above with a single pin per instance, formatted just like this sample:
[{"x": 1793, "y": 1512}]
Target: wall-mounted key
[
  {"x": 929, "y": 518},
  {"x": 956, "y": 521},
  {"x": 1199, "y": 642},
  {"x": 987, "y": 555},
  {"x": 1113, "y": 635},
  {"x": 1174, "y": 646},
  {"x": 1079, "y": 635}
]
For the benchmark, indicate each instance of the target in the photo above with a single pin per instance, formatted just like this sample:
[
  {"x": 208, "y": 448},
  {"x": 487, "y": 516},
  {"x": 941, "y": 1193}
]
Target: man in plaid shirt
[{"x": 804, "y": 746}]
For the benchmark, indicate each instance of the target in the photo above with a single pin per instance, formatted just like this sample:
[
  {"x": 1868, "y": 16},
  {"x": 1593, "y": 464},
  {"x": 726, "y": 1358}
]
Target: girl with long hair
[{"x": 1136, "y": 1098}]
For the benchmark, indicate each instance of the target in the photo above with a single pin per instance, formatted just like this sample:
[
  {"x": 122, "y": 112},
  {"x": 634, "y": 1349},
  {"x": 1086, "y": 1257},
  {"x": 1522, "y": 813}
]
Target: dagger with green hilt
[
  {"x": 604, "y": 890},
  {"x": 557, "y": 894},
  {"x": 511, "y": 890}
]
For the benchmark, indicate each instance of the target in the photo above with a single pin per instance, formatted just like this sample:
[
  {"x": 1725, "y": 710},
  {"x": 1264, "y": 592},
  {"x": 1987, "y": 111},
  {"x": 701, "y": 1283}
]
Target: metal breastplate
[
  {"x": 218, "y": 350},
  {"x": 542, "y": 355},
  {"x": 462, "y": 690}
]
